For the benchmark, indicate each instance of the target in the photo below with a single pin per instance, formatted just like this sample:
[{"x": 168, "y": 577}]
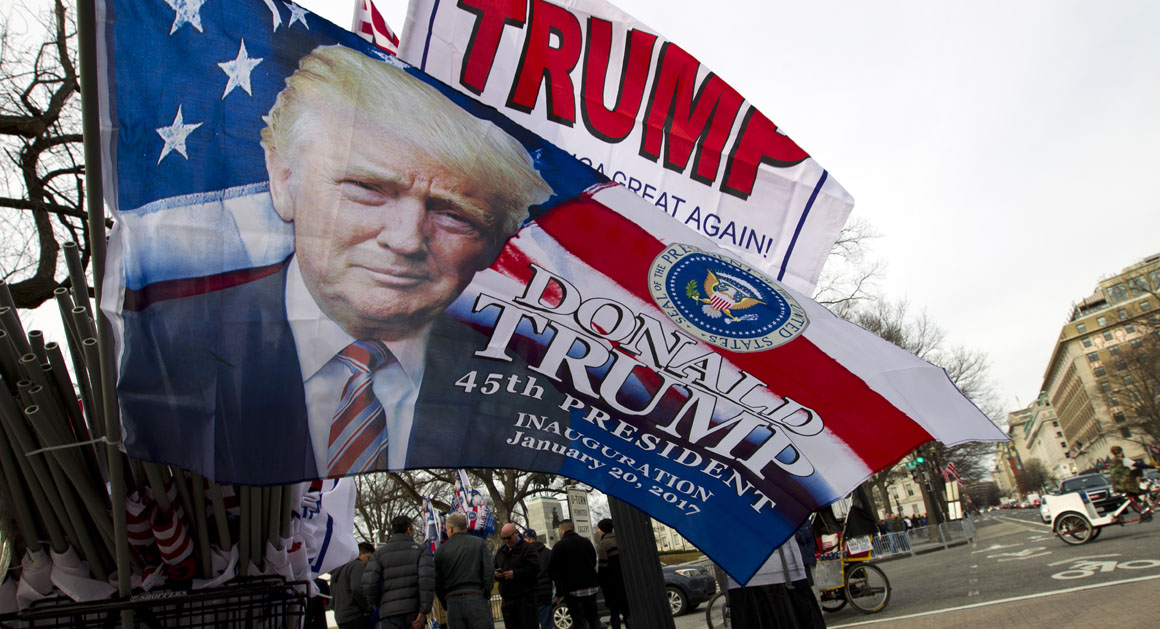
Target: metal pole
[
  {"x": 87, "y": 34},
  {"x": 641, "y": 565}
]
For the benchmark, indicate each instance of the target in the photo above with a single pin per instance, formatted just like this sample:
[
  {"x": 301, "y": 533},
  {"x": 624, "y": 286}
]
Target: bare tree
[
  {"x": 850, "y": 271},
  {"x": 382, "y": 496},
  {"x": 1032, "y": 477},
  {"x": 42, "y": 194},
  {"x": 1132, "y": 392}
]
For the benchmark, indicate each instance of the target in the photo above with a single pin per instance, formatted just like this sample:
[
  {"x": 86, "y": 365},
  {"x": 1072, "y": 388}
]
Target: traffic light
[{"x": 920, "y": 459}]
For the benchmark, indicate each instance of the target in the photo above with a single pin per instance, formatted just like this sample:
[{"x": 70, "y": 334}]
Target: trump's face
[{"x": 386, "y": 236}]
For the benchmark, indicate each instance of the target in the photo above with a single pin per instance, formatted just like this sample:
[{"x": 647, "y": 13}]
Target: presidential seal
[{"x": 723, "y": 301}]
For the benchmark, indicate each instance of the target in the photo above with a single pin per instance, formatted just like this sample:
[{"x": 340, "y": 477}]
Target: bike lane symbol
[{"x": 1084, "y": 567}]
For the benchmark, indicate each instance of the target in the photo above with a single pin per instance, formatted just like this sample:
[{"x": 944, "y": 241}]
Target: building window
[
  {"x": 1138, "y": 285},
  {"x": 1106, "y": 387},
  {"x": 1058, "y": 434},
  {"x": 1081, "y": 328},
  {"x": 1130, "y": 329},
  {"x": 1100, "y": 372},
  {"x": 1087, "y": 342},
  {"x": 1055, "y": 423},
  {"x": 1119, "y": 417},
  {"x": 1063, "y": 444},
  {"x": 1101, "y": 321},
  {"x": 1114, "y": 350},
  {"x": 1121, "y": 365},
  {"x": 909, "y": 491},
  {"x": 1125, "y": 432},
  {"x": 1117, "y": 293},
  {"x": 1122, "y": 314},
  {"x": 1094, "y": 357},
  {"x": 1145, "y": 306},
  {"x": 1108, "y": 336},
  {"x": 1136, "y": 343},
  {"x": 1128, "y": 381}
]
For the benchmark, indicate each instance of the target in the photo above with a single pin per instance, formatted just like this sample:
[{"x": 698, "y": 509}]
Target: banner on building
[
  {"x": 325, "y": 262},
  {"x": 645, "y": 113}
]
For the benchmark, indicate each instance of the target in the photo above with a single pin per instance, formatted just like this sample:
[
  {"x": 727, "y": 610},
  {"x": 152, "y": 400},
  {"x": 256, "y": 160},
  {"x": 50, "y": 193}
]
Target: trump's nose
[{"x": 403, "y": 227}]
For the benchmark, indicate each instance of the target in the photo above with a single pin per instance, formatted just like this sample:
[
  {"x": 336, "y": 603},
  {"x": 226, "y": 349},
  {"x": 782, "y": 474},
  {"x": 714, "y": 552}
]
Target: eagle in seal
[{"x": 720, "y": 298}]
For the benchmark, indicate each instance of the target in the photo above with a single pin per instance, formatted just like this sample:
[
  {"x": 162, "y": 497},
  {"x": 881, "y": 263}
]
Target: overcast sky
[{"x": 1004, "y": 150}]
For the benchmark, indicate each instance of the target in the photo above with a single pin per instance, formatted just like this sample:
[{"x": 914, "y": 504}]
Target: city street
[{"x": 1008, "y": 577}]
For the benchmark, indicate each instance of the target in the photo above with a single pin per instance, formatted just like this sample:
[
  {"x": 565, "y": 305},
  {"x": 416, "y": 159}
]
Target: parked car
[
  {"x": 1098, "y": 488},
  {"x": 686, "y": 587}
]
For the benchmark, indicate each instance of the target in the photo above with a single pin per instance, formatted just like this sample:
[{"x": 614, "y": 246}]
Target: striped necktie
[{"x": 358, "y": 433}]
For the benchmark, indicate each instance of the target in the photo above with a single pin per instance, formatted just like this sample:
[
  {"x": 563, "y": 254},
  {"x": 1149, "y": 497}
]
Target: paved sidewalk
[{"x": 1124, "y": 603}]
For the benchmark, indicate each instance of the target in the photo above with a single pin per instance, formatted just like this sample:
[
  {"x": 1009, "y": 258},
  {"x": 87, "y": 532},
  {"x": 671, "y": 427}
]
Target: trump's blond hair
[{"x": 332, "y": 77}]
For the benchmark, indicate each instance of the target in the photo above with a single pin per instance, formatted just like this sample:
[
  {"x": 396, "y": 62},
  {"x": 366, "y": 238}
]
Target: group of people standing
[
  {"x": 397, "y": 585},
  {"x": 533, "y": 578}
]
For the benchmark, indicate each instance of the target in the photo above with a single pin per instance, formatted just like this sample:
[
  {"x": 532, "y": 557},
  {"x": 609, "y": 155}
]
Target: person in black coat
[
  {"x": 544, "y": 584},
  {"x": 609, "y": 573},
  {"x": 573, "y": 569},
  {"x": 517, "y": 569}
]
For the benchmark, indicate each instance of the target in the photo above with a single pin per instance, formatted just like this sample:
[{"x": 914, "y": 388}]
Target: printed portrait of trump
[{"x": 312, "y": 367}]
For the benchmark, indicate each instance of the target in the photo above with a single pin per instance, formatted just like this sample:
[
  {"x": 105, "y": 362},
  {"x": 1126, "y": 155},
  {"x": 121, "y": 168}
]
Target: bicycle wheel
[
  {"x": 833, "y": 600},
  {"x": 717, "y": 613},
  {"x": 867, "y": 588},
  {"x": 1074, "y": 529}
]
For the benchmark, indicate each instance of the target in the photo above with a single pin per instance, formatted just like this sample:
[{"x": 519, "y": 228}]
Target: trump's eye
[
  {"x": 455, "y": 221},
  {"x": 366, "y": 192}
]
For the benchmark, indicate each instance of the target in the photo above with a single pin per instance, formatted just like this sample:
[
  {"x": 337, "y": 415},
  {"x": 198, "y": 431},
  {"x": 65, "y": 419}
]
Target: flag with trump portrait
[{"x": 325, "y": 262}]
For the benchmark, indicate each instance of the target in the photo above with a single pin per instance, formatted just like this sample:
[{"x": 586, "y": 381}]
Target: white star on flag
[
  {"x": 174, "y": 136},
  {"x": 274, "y": 14},
  {"x": 297, "y": 14},
  {"x": 185, "y": 12},
  {"x": 239, "y": 71}
]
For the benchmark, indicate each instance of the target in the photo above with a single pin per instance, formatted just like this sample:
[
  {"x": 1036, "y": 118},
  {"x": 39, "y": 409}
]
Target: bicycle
[
  {"x": 857, "y": 582},
  {"x": 717, "y": 613},
  {"x": 1078, "y": 523}
]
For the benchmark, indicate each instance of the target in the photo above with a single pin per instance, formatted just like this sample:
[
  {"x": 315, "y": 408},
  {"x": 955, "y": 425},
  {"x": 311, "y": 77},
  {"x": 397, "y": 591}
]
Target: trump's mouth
[{"x": 397, "y": 277}]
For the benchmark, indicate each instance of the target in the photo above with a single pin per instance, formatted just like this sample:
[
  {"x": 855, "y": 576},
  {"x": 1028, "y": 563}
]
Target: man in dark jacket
[
  {"x": 517, "y": 568},
  {"x": 609, "y": 574},
  {"x": 573, "y": 569},
  {"x": 464, "y": 577},
  {"x": 544, "y": 583},
  {"x": 351, "y": 610},
  {"x": 400, "y": 576}
]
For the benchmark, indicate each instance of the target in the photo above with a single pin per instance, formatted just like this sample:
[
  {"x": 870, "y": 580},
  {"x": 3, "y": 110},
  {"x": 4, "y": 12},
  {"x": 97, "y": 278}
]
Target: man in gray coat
[
  {"x": 400, "y": 576},
  {"x": 464, "y": 577}
]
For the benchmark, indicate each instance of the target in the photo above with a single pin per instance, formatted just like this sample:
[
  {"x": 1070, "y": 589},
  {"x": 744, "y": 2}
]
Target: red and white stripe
[{"x": 370, "y": 24}]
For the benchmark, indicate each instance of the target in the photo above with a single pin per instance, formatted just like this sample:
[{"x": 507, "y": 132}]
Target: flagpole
[{"x": 94, "y": 201}]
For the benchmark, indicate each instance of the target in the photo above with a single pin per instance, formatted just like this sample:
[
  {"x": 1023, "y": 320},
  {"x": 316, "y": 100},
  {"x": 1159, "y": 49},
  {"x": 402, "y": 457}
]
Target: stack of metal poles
[{"x": 55, "y": 467}]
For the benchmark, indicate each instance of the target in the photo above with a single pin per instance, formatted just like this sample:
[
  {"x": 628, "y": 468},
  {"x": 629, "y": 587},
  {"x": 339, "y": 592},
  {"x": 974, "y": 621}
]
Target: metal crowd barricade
[
  {"x": 258, "y": 603},
  {"x": 924, "y": 538}
]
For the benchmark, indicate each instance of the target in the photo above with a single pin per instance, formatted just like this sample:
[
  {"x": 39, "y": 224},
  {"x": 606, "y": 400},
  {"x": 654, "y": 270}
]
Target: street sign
[{"x": 578, "y": 511}]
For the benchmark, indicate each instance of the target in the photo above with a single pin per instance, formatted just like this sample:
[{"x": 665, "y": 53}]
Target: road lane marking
[
  {"x": 1083, "y": 569},
  {"x": 1044, "y": 554},
  {"x": 993, "y": 547},
  {"x": 1018, "y": 521},
  {"x": 1013, "y": 599},
  {"x": 1075, "y": 559}
]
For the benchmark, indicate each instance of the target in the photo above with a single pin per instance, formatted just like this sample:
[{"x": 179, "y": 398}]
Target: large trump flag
[{"x": 326, "y": 262}]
